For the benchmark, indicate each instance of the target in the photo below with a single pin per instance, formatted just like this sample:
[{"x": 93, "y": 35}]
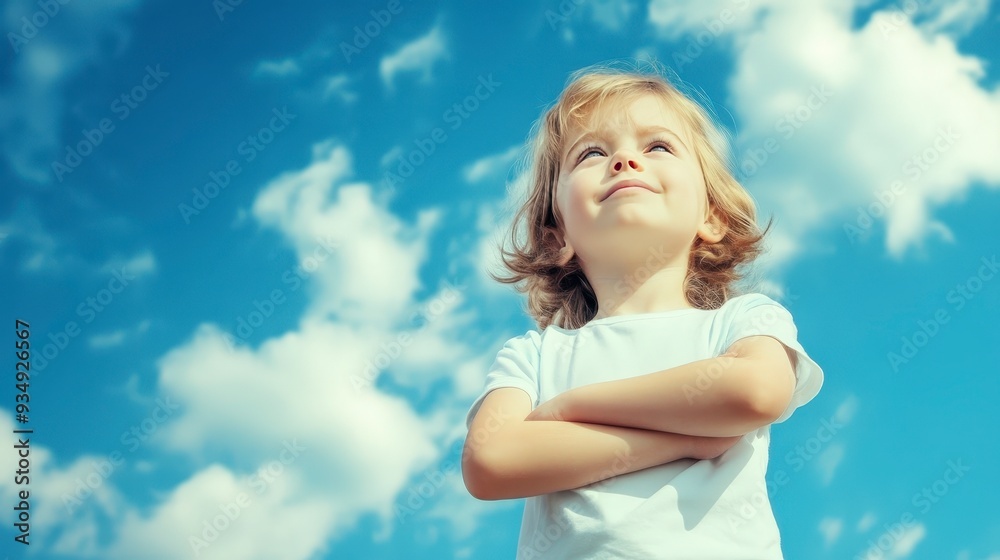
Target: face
[{"x": 631, "y": 186}]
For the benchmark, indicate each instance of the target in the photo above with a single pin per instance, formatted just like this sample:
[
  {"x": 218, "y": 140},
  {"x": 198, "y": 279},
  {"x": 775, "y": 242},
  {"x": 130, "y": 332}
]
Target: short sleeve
[
  {"x": 758, "y": 315},
  {"x": 516, "y": 365}
]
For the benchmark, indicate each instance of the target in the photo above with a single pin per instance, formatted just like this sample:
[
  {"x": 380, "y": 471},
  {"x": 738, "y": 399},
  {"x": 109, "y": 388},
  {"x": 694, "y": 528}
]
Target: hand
[{"x": 551, "y": 409}]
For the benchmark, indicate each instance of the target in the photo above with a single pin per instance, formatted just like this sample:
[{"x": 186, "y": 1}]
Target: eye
[
  {"x": 586, "y": 152},
  {"x": 665, "y": 145}
]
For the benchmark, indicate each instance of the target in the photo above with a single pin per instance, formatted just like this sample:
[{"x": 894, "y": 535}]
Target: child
[{"x": 636, "y": 421}]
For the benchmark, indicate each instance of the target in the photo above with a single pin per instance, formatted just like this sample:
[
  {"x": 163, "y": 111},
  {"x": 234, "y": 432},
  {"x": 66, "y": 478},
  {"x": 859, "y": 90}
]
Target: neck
[{"x": 639, "y": 288}]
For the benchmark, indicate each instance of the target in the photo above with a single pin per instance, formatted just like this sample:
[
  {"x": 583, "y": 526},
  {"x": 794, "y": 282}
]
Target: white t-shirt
[{"x": 686, "y": 509}]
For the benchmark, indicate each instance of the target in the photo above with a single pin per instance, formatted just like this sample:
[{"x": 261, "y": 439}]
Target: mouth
[{"x": 625, "y": 184}]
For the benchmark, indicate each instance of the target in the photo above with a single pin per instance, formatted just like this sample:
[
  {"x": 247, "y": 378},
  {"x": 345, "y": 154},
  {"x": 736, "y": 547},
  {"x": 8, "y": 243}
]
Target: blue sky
[{"x": 207, "y": 222}]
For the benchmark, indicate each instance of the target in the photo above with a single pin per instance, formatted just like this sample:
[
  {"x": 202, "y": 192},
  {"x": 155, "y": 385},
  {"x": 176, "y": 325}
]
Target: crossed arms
[{"x": 590, "y": 433}]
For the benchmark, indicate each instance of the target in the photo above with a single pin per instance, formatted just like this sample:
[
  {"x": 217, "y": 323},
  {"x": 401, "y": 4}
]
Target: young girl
[{"x": 636, "y": 420}]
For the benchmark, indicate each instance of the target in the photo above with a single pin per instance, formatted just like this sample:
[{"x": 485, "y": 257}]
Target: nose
[{"x": 625, "y": 160}]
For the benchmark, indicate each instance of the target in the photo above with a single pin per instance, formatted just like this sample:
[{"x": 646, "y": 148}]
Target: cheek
[{"x": 572, "y": 204}]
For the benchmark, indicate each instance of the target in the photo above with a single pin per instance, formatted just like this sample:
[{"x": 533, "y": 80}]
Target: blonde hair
[{"x": 559, "y": 293}]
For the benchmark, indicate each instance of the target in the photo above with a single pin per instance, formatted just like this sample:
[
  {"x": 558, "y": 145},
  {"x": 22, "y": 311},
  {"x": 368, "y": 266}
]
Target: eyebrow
[{"x": 643, "y": 131}]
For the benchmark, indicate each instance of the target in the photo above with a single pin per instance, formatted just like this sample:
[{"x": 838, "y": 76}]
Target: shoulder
[
  {"x": 746, "y": 302},
  {"x": 756, "y": 312},
  {"x": 528, "y": 344},
  {"x": 530, "y": 337}
]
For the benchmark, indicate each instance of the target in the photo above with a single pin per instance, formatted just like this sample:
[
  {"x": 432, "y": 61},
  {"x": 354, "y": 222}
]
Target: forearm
[
  {"x": 540, "y": 457},
  {"x": 702, "y": 398}
]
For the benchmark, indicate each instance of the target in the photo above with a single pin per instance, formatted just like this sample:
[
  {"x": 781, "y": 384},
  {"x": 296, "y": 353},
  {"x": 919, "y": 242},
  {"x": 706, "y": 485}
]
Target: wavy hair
[{"x": 558, "y": 291}]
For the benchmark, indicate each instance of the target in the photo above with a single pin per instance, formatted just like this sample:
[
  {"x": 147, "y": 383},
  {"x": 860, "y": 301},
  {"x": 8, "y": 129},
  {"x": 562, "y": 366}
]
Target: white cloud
[
  {"x": 240, "y": 406},
  {"x": 487, "y": 254},
  {"x": 337, "y": 85},
  {"x": 949, "y": 16},
  {"x": 101, "y": 341},
  {"x": 900, "y": 543},
  {"x": 371, "y": 273},
  {"x": 71, "y": 498},
  {"x": 830, "y": 527},
  {"x": 910, "y": 538},
  {"x": 40, "y": 70},
  {"x": 387, "y": 158},
  {"x": 280, "y": 68},
  {"x": 845, "y": 412},
  {"x": 142, "y": 264},
  {"x": 673, "y": 21},
  {"x": 491, "y": 165},
  {"x": 611, "y": 14},
  {"x": 866, "y": 522},
  {"x": 869, "y": 92},
  {"x": 363, "y": 448},
  {"x": 606, "y": 15},
  {"x": 493, "y": 227},
  {"x": 417, "y": 56},
  {"x": 25, "y": 227},
  {"x": 272, "y": 517},
  {"x": 828, "y": 461},
  {"x": 116, "y": 337},
  {"x": 311, "y": 65}
]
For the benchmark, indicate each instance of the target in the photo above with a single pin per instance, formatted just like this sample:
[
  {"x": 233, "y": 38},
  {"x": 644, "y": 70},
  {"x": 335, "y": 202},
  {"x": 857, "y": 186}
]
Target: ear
[
  {"x": 566, "y": 253},
  {"x": 713, "y": 229}
]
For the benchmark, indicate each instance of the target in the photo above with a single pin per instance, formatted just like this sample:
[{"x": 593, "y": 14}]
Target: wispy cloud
[
  {"x": 909, "y": 540},
  {"x": 280, "y": 68},
  {"x": 953, "y": 17},
  {"x": 40, "y": 71},
  {"x": 117, "y": 337},
  {"x": 418, "y": 56},
  {"x": 25, "y": 228},
  {"x": 830, "y": 527},
  {"x": 828, "y": 461},
  {"x": 866, "y": 522},
  {"x": 107, "y": 340},
  {"x": 141, "y": 264},
  {"x": 337, "y": 86},
  {"x": 491, "y": 165}
]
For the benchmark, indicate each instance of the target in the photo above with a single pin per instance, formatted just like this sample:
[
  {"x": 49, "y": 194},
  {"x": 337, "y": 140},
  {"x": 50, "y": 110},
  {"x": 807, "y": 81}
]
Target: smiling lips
[{"x": 626, "y": 183}]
